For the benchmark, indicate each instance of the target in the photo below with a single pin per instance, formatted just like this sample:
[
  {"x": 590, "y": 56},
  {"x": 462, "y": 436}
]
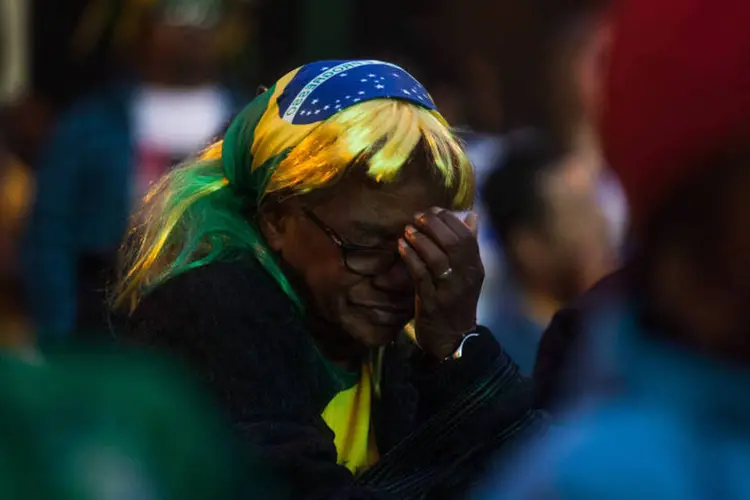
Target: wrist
[{"x": 452, "y": 349}]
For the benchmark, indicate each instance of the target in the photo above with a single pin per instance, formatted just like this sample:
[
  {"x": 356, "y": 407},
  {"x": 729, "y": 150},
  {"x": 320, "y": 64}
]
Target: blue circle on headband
[{"x": 320, "y": 90}]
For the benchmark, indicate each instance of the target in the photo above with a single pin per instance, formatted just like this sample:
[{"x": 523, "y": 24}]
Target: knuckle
[
  {"x": 439, "y": 263},
  {"x": 453, "y": 244},
  {"x": 427, "y": 219},
  {"x": 420, "y": 272}
]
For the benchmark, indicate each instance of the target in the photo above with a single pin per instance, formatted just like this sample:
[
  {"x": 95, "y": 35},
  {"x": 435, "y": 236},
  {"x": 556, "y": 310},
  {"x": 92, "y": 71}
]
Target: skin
[
  {"x": 352, "y": 313},
  {"x": 571, "y": 251},
  {"x": 579, "y": 228},
  {"x": 574, "y": 240}
]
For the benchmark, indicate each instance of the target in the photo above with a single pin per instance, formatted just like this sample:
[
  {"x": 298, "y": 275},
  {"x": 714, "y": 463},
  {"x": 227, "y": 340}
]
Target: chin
[{"x": 374, "y": 335}]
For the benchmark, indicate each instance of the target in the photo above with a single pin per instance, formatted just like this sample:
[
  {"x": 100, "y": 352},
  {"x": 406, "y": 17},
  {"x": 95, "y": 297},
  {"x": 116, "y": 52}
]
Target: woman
[{"x": 285, "y": 263}]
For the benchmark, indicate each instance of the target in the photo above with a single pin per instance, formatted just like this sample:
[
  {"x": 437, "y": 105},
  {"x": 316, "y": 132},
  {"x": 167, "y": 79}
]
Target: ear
[{"x": 273, "y": 225}]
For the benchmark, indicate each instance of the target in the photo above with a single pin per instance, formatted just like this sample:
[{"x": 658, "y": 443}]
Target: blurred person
[
  {"x": 577, "y": 35},
  {"x": 292, "y": 258},
  {"x": 96, "y": 425},
  {"x": 580, "y": 39},
  {"x": 15, "y": 181},
  {"x": 110, "y": 147},
  {"x": 581, "y": 36},
  {"x": 561, "y": 69},
  {"x": 544, "y": 60},
  {"x": 674, "y": 335},
  {"x": 553, "y": 234},
  {"x": 565, "y": 371}
]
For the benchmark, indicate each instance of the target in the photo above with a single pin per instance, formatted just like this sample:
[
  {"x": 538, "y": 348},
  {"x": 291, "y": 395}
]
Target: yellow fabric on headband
[
  {"x": 278, "y": 143},
  {"x": 273, "y": 134}
]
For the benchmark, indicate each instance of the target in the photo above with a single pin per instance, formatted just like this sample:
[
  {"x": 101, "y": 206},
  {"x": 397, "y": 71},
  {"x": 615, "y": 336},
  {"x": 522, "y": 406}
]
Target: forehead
[{"x": 361, "y": 205}]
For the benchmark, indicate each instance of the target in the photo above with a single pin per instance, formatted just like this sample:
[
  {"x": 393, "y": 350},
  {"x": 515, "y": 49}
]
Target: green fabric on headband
[
  {"x": 249, "y": 185},
  {"x": 237, "y": 152}
]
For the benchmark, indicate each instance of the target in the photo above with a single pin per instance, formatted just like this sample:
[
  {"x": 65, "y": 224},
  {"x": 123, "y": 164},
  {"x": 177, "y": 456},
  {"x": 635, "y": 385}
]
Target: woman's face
[{"x": 371, "y": 308}]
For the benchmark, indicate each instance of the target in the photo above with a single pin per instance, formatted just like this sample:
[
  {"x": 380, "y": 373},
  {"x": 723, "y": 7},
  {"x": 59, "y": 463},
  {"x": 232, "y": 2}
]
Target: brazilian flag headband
[{"x": 263, "y": 133}]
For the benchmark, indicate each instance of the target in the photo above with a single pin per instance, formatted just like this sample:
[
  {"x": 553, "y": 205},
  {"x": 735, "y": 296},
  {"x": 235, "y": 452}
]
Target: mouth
[{"x": 387, "y": 315}]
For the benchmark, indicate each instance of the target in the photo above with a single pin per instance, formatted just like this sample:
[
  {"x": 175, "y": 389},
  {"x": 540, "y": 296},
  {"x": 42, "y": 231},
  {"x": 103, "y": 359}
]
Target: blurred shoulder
[
  {"x": 601, "y": 454},
  {"x": 104, "y": 404},
  {"x": 558, "y": 361}
]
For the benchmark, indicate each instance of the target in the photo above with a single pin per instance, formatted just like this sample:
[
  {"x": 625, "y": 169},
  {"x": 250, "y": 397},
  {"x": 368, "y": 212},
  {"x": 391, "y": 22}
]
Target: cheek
[{"x": 318, "y": 262}]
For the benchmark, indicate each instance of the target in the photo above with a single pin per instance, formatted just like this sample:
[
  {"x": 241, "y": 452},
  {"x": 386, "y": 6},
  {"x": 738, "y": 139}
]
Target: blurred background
[{"x": 100, "y": 97}]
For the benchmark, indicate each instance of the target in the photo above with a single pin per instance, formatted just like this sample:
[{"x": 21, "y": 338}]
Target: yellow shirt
[{"x": 348, "y": 416}]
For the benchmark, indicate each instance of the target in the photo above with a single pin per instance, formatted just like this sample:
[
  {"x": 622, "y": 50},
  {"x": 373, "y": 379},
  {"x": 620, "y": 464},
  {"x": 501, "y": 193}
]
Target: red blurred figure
[{"x": 674, "y": 334}]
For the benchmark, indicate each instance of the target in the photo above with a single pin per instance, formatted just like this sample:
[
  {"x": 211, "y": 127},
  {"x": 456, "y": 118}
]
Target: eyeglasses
[{"x": 362, "y": 260}]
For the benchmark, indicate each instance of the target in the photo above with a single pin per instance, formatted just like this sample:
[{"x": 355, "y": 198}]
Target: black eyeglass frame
[{"x": 390, "y": 257}]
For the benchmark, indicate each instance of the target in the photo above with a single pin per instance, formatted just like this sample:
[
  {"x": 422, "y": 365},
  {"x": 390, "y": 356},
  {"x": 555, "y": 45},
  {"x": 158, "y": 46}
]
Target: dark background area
[{"x": 424, "y": 36}]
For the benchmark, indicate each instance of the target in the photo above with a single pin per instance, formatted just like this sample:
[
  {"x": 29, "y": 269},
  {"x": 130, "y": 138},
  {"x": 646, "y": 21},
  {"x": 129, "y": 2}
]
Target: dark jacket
[
  {"x": 434, "y": 426},
  {"x": 564, "y": 364}
]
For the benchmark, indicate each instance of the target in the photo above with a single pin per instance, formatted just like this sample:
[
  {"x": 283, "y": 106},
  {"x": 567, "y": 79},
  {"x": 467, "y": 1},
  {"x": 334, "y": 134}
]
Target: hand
[{"x": 442, "y": 255}]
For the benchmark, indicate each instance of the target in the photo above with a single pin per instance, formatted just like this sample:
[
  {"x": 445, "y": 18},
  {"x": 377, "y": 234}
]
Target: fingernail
[
  {"x": 403, "y": 246},
  {"x": 410, "y": 230},
  {"x": 436, "y": 210},
  {"x": 472, "y": 220},
  {"x": 418, "y": 215}
]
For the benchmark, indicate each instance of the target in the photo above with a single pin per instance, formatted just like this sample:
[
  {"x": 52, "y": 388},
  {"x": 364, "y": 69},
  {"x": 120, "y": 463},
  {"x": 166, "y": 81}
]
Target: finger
[
  {"x": 472, "y": 222},
  {"x": 418, "y": 270},
  {"x": 436, "y": 259},
  {"x": 431, "y": 224},
  {"x": 467, "y": 245},
  {"x": 463, "y": 228}
]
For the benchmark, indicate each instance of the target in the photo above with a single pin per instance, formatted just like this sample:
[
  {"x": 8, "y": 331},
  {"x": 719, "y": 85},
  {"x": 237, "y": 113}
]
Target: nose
[{"x": 395, "y": 280}]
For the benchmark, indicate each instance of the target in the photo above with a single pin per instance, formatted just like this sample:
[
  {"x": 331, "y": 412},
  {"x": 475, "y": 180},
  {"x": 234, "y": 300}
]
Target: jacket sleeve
[
  {"x": 48, "y": 258},
  {"x": 247, "y": 347},
  {"x": 479, "y": 404}
]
